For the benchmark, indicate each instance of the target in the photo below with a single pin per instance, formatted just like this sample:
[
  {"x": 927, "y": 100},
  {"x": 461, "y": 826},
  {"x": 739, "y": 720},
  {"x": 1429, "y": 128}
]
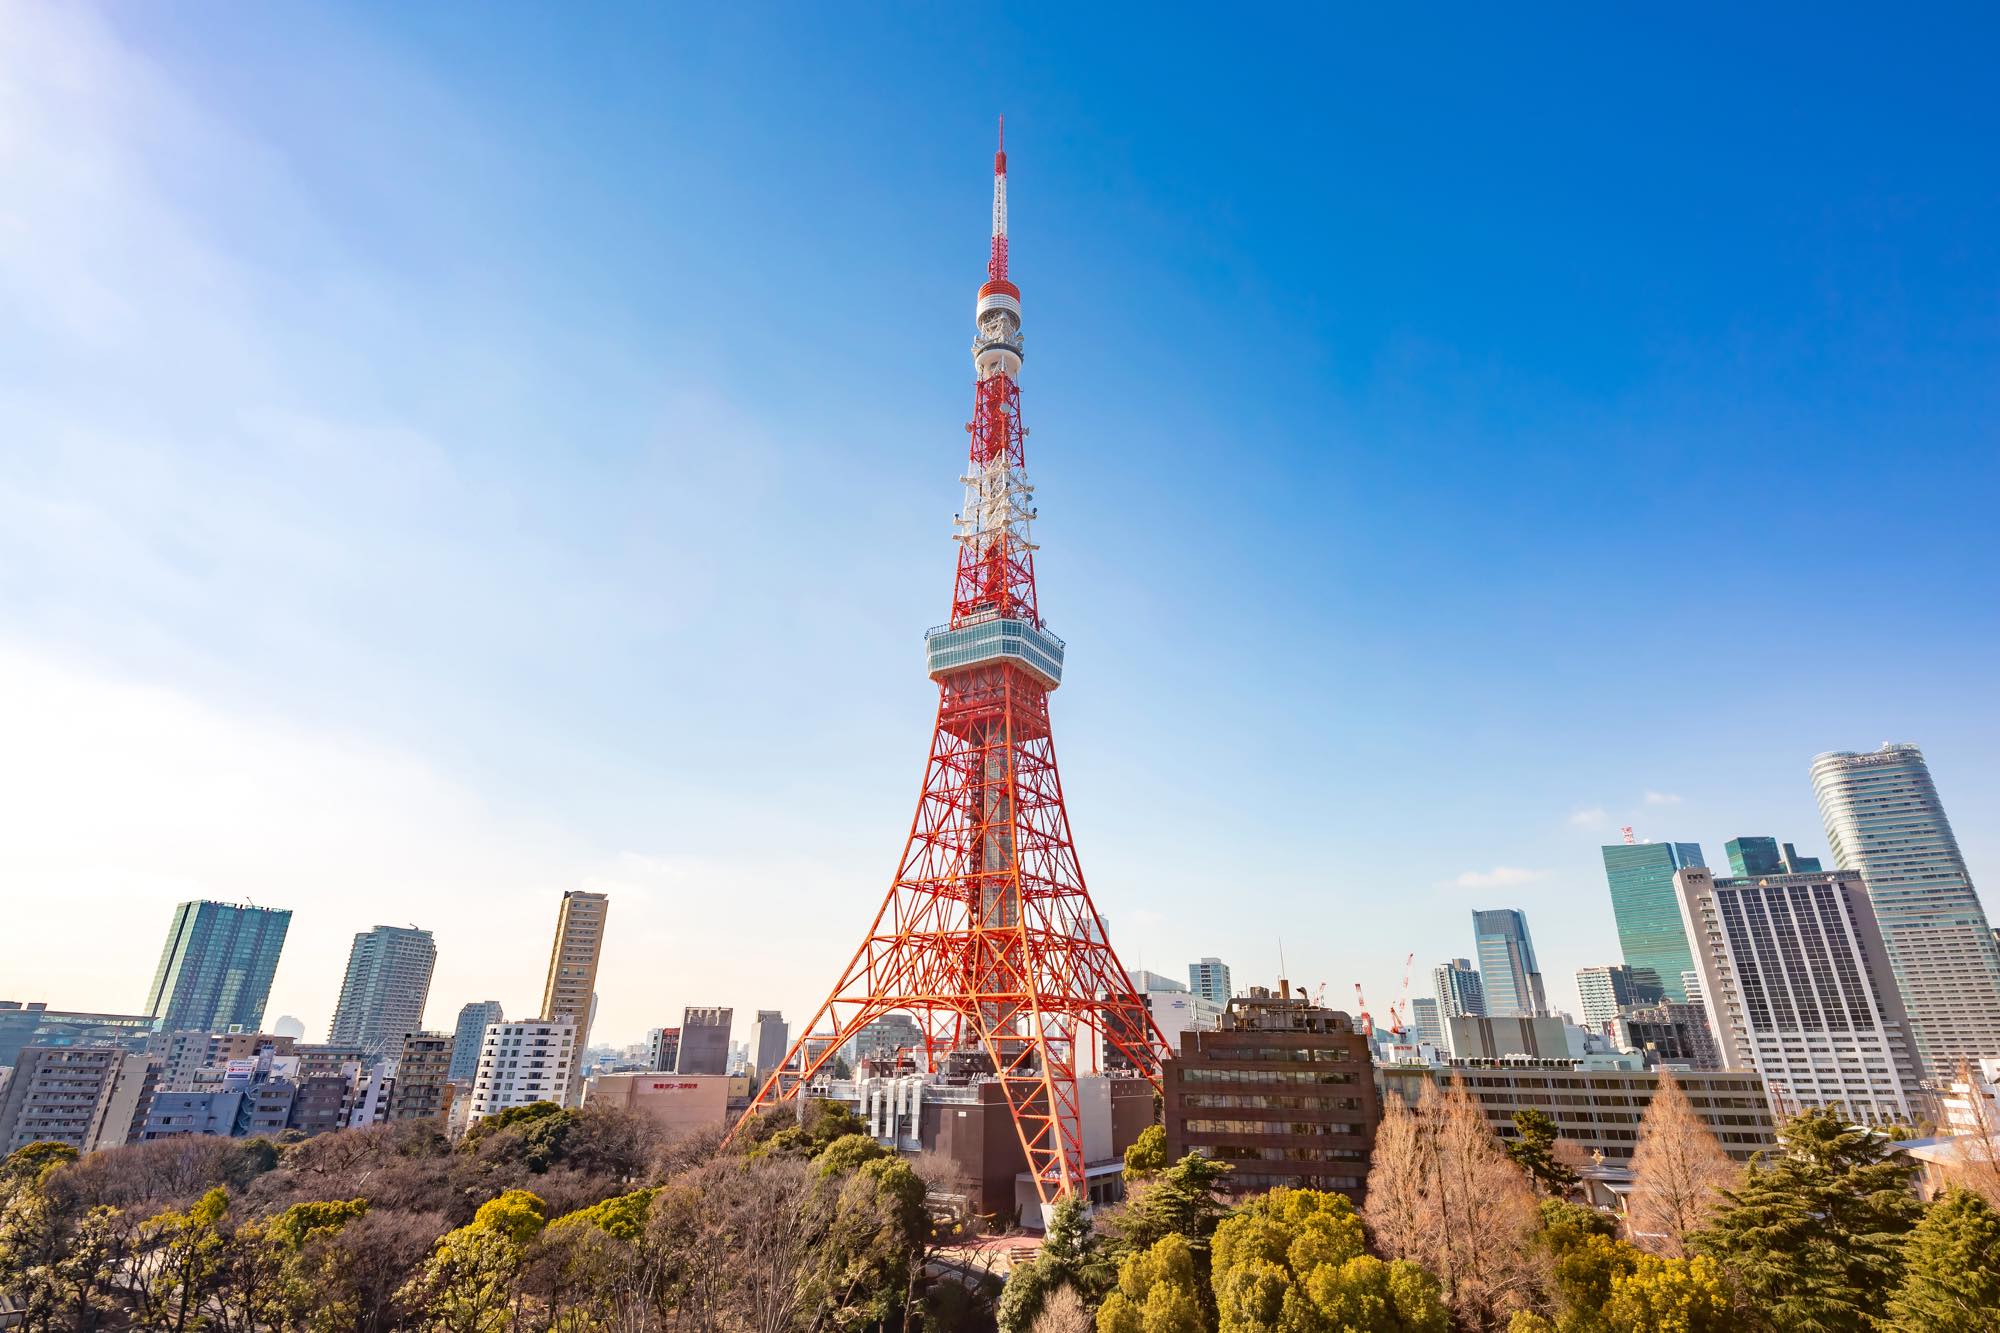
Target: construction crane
[
  {"x": 1399, "y": 1011},
  {"x": 1361, "y": 1012},
  {"x": 1627, "y": 831}
]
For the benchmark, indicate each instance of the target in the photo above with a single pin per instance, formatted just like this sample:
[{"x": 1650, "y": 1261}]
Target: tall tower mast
[{"x": 988, "y": 937}]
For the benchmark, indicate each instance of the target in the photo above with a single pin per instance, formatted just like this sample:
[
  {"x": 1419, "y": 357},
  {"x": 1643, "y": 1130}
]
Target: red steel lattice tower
[{"x": 988, "y": 937}]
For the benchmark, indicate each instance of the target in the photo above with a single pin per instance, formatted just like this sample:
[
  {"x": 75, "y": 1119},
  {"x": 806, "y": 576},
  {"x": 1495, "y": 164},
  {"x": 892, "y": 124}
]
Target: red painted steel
[{"x": 988, "y": 936}]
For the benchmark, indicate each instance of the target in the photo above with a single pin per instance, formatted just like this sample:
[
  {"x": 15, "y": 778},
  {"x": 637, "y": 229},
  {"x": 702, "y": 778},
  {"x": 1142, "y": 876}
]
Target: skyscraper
[
  {"x": 1458, "y": 989},
  {"x": 382, "y": 996},
  {"x": 215, "y": 971},
  {"x": 1641, "y": 875},
  {"x": 466, "y": 1037},
  {"x": 571, "y": 990},
  {"x": 1884, "y": 819},
  {"x": 770, "y": 1038},
  {"x": 1210, "y": 977},
  {"x": 1508, "y": 973},
  {"x": 1796, "y": 984},
  {"x": 1749, "y": 857},
  {"x": 1605, "y": 990}
]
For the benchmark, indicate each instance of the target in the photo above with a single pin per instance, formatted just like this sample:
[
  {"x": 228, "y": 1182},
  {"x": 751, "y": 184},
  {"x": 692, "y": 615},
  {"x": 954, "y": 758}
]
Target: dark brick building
[{"x": 1284, "y": 1091}]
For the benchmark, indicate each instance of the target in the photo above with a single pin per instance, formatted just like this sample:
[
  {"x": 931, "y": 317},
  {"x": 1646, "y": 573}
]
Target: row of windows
[
  {"x": 1295, "y": 1077},
  {"x": 1272, "y": 1101},
  {"x": 1206, "y": 1126}
]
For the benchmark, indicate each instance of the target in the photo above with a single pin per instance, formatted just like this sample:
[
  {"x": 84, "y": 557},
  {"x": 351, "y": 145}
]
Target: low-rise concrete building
[
  {"x": 679, "y": 1103},
  {"x": 1598, "y": 1109}
]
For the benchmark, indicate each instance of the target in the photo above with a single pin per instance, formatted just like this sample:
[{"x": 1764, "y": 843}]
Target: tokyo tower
[{"x": 988, "y": 938}]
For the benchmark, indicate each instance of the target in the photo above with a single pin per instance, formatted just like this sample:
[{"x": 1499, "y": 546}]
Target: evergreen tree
[
  {"x": 1534, "y": 1151},
  {"x": 1951, "y": 1278},
  {"x": 1293, "y": 1260},
  {"x": 1071, "y": 1254},
  {"x": 1147, "y": 1156},
  {"x": 1157, "y": 1293},
  {"x": 1813, "y": 1238},
  {"x": 1183, "y": 1200}
]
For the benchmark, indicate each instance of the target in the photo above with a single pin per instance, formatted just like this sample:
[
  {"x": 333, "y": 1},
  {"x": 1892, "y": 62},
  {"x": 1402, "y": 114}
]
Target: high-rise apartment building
[
  {"x": 1884, "y": 819},
  {"x": 469, "y": 1034},
  {"x": 84, "y": 1096},
  {"x": 1750, "y": 857},
  {"x": 1641, "y": 876},
  {"x": 705, "y": 1039},
  {"x": 523, "y": 1063},
  {"x": 1210, "y": 977},
  {"x": 423, "y": 1062},
  {"x": 215, "y": 971},
  {"x": 1796, "y": 983},
  {"x": 1458, "y": 989},
  {"x": 770, "y": 1038},
  {"x": 1605, "y": 990},
  {"x": 388, "y": 980},
  {"x": 1508, "y": 973},
  {"x": 571, "y": 990}
]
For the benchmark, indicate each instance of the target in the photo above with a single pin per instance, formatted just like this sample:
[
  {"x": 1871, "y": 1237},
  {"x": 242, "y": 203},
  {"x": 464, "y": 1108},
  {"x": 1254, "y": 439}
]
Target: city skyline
[{"x": 417, "y": 586}]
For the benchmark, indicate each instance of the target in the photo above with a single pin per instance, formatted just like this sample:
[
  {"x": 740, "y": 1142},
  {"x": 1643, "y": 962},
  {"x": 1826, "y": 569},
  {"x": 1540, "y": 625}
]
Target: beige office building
[
  {"x": 570, "y": 993},
  {"x": 1599, "y": 1110}
]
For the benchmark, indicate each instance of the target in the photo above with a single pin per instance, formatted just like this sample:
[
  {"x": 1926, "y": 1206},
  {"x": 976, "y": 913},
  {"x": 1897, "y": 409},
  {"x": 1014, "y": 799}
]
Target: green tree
[
  {"x": 1147, "y": 1156},
  {"x": 1292, "y": 1261},
  {"x": 1670, "y": 1296},
  {"x": 1951, "y": 1278},
  {"x": 1813, "y": 1238},
  {"x": 469, "y": 1283},
  {"x": 623, "y": 1216},
  {"x": 1157, "y": 1292},
  {"x": 1585, "y": 1259},
  {"x": 1071, "y": 1254},
  {"x": 863, "y": 1266},
  {"x": 1533, "y": 1149},
  {"x": 189, "y": 1253},
  {"x": 848, "y": 1154},
  {"x": 1184, "y": 1200}
]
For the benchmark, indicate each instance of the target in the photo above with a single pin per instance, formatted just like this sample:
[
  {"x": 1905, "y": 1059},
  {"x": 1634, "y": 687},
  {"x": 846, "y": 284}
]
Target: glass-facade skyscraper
[
  {"x": 1508, "y": 973},
  {"x": 1643, "y": 902},
  {"x": 1884, "y": 819},
  {"x": 1458, "y": 990},
  {"x": 215, "y": 971},
  {"x": 1765, "y": 856}
]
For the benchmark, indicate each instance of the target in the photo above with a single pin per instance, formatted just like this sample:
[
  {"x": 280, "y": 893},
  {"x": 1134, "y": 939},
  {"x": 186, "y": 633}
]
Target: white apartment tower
[
  {"x": 522, "y": 1063},
  {"x": 1883, "y": 819},
  {"x": 1796, "y": 982}
]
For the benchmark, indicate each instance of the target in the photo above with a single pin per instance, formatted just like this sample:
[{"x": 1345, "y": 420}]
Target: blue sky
[{"x": 447, "y": 462}]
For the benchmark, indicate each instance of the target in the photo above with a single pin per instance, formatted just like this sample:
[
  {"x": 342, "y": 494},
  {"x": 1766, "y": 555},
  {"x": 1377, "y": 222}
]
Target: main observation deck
[{"x": 949, "y": 649}]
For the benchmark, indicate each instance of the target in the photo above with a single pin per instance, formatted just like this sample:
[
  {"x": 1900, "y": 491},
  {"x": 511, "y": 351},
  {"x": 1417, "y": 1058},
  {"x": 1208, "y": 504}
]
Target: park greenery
[{"x": 574, "y": 1221}]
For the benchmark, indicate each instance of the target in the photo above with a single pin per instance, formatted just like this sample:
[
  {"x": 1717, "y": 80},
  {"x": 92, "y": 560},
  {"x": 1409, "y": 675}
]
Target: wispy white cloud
[
  {"x": 1662, "y": 798},
  {"x": 1590, "y": 817},
  {"x": 1499, "y": 877}
]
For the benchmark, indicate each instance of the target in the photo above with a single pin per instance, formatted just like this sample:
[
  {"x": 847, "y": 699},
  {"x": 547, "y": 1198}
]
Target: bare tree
[
  {"x": 1677, "y": 1169},
  {"x": 1444, "y": 1194},
  {"x": 1063, "y": 1312},
  {"x": 1977, "y": 1166}
]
